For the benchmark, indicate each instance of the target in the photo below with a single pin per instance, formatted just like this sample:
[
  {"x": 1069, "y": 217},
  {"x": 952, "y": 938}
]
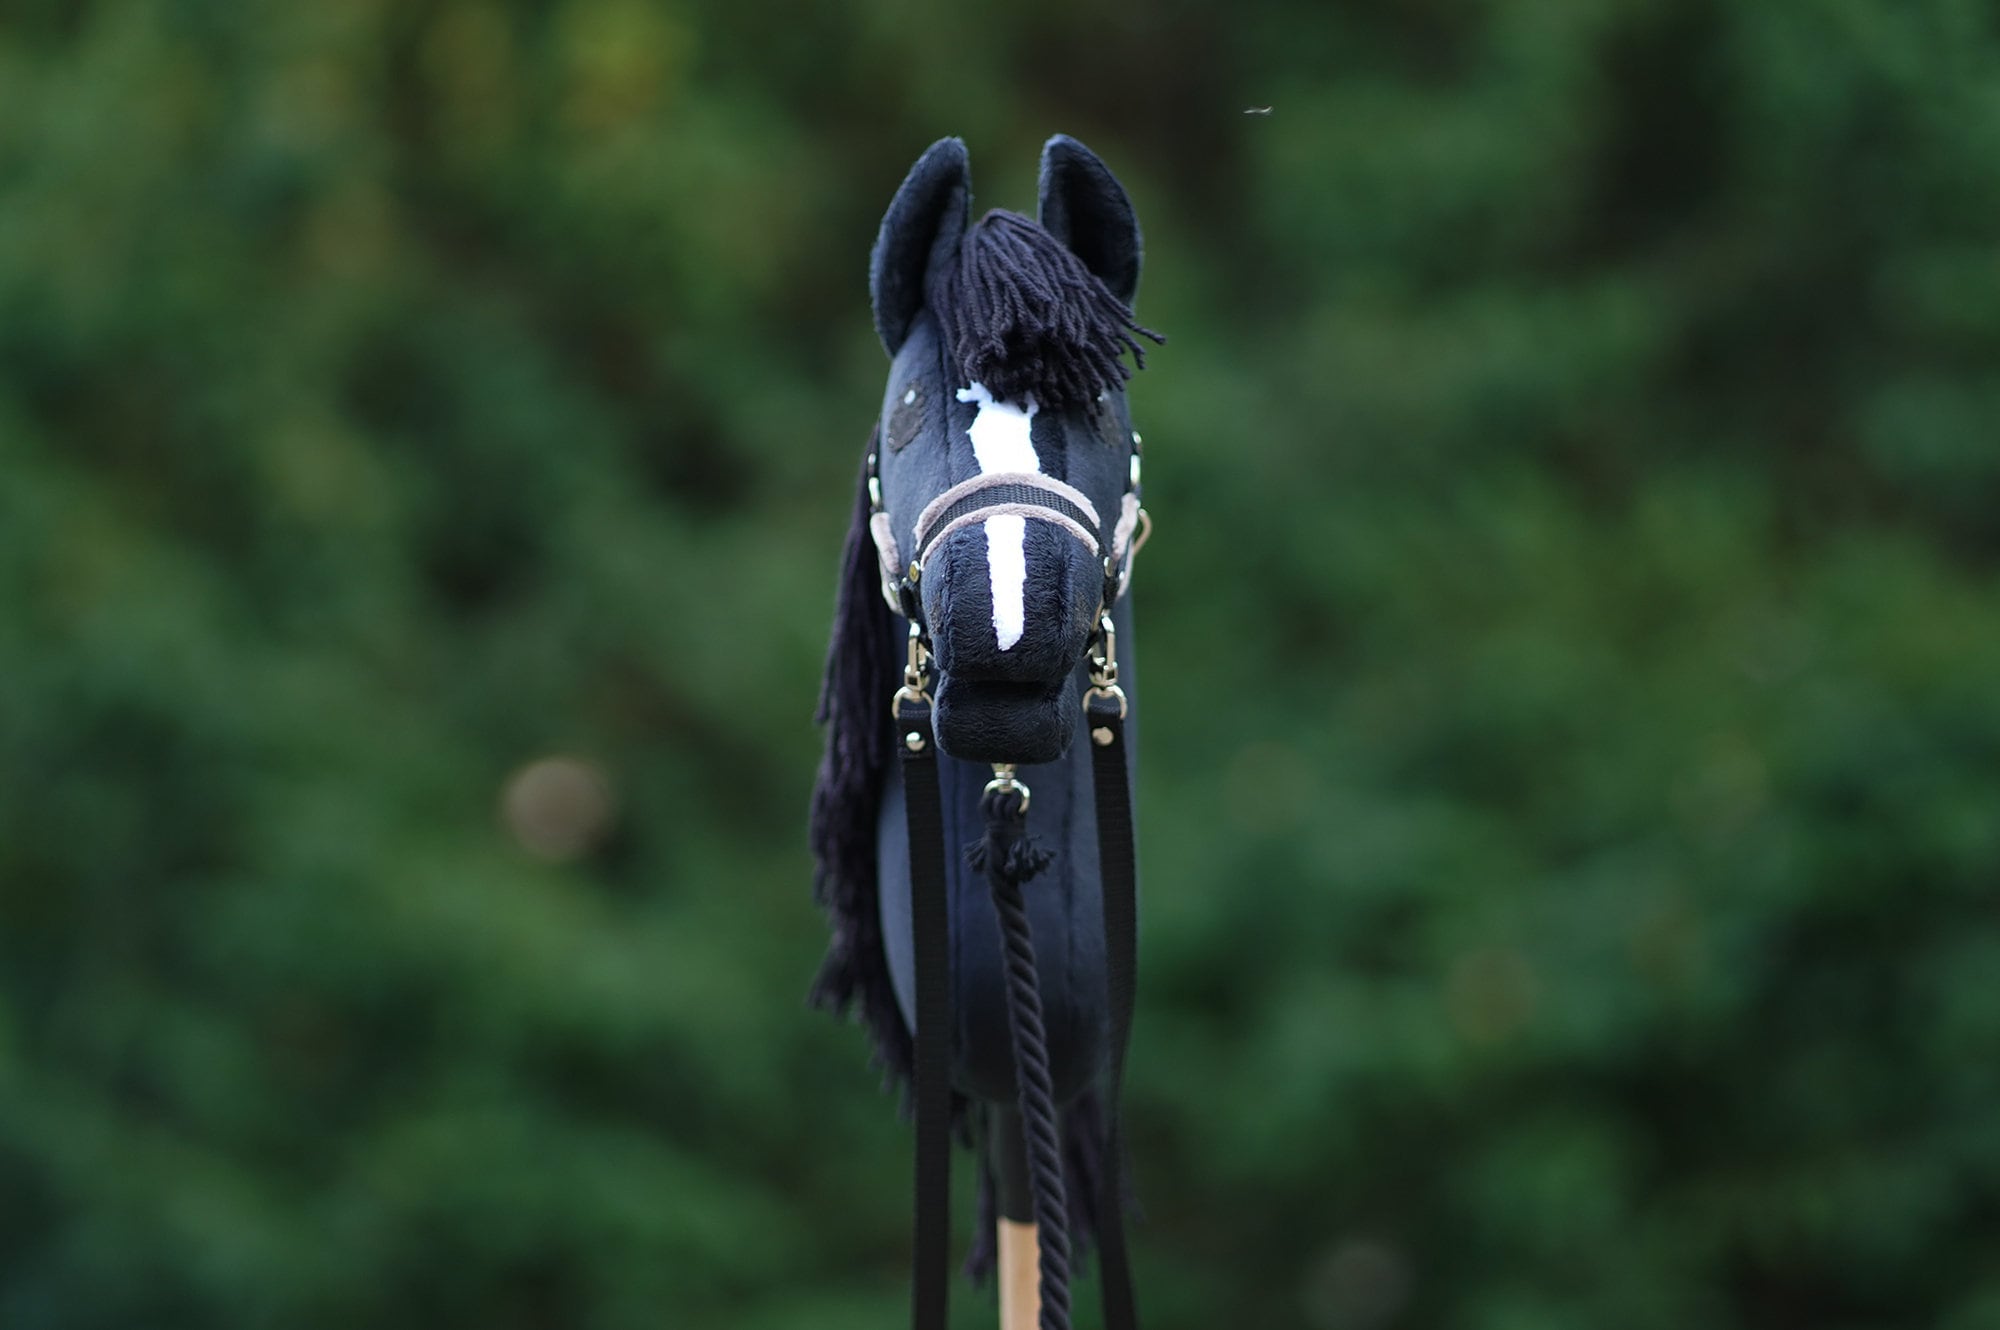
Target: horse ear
[
  {"x": 920, "y": 235},
  {"x": 1085, "y": 207}
]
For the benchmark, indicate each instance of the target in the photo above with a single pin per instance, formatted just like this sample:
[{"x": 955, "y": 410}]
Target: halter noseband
[{"x": 1006, "y": 494}]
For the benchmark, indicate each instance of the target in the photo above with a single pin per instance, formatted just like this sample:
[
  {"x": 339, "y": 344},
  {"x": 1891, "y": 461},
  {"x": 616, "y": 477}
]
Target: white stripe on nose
[
  {"x": 1001, "y": 441},
  {"x": 1007, "y": 561}
]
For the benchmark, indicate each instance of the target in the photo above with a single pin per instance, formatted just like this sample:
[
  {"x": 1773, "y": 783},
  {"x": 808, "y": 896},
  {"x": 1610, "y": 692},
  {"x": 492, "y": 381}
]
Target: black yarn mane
[
  {"x": 1024, "y": 317},
  {"x": 861, "y": 673}
]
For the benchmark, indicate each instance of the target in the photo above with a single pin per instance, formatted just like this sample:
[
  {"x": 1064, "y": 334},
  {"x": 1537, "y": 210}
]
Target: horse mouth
[{"x": 1002, "y": 720}]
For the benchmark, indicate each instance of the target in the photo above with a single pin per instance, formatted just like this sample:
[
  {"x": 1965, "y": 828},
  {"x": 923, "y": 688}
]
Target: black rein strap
[
  {"x": 1105, "y": 713},
  {"x": 930, "y": 926}
]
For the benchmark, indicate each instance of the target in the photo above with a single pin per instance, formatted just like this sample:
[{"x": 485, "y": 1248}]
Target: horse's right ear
[
  {"x": 1085, "y": 207},
  {"x": 920, "y": 235}
]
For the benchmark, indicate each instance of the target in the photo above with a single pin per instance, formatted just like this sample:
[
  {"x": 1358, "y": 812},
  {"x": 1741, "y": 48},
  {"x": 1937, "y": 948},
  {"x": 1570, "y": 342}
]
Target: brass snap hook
[
  {"x": 1104, "y": 667},
  {"x": 916, "y": 674},
  {"x": 1005, "y": 782}
]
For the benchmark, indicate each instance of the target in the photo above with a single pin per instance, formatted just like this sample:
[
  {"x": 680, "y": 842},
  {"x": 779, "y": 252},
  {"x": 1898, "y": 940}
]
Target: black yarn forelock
[{"x": 1023, "y": 316}]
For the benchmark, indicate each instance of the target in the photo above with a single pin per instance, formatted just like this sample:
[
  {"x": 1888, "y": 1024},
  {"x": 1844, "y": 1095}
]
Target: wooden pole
[
  {"x": 1020, "y": 1277},
  {"x": 1020, "y": 1254}
]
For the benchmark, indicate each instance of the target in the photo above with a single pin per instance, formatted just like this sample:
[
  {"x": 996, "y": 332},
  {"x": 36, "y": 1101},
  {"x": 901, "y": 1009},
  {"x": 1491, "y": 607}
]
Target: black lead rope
[
  {"x": 1009, "y": 861},
  {"x": 931, "y": 930}
]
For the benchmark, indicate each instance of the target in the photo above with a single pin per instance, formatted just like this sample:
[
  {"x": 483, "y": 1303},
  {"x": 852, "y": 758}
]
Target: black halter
[
  {"x": 1024, "y": 493},
  {"x": 1008, "y": 863}
]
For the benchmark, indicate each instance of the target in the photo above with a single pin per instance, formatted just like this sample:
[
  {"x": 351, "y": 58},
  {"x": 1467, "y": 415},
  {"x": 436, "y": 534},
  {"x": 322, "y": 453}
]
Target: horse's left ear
[
  {"x": 1085, "y": 207},
  {"x": 920, "y": 235}
]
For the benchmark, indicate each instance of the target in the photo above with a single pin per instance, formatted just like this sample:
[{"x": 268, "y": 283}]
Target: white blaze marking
[
  {"x": 1007, "y": 561},
  {"x": 1001, "y": 442}
]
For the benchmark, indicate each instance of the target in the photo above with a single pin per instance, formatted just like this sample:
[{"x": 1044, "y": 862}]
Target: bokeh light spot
[
  {"x": 1491, "y": 993},
  {"x": 558, "y": 808},
  {"x": 1357, "y": 1284}
]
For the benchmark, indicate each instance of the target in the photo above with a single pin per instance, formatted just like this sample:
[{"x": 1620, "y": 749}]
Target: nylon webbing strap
[
  {"x": 931, "y": 937},
  {"x": 1118, "y": 870},
  {"x": 1006, "y": 497}
]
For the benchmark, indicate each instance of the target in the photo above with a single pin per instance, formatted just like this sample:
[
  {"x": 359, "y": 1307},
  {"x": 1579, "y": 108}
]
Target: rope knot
[{"x": 1006, "y": 850}]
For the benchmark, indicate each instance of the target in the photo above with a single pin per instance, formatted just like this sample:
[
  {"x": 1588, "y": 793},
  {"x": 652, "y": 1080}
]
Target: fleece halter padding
[{"x": 1004, "y": 494}]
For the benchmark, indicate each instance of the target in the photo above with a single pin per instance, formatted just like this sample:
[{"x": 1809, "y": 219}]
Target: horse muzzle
[{"x": 1011, "y": 608}]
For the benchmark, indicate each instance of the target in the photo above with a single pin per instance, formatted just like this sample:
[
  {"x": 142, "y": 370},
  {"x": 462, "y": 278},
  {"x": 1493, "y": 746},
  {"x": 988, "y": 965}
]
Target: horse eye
[
  {"x": 908, "y": 418},
  {"x": 1104, "y": 419}
]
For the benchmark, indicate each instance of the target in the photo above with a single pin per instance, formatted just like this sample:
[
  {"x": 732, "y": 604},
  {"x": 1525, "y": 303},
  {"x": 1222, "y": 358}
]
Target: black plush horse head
[
  {"x": 1006, "y": 340},
  {"x": 993, "y": 539}
]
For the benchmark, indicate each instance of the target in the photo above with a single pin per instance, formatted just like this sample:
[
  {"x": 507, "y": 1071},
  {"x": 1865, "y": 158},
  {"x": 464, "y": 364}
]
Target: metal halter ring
[
  {"x": 1004, "y": 782},
  {"x": 1112, "y": 691}
]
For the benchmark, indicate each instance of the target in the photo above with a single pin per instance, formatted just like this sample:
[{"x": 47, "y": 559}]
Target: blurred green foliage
[{"x": 1571, "y": 800}]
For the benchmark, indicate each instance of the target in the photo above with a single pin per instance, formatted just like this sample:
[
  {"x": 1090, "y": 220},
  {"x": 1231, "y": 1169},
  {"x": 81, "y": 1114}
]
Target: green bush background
[{"x": 1571, "y": 800}]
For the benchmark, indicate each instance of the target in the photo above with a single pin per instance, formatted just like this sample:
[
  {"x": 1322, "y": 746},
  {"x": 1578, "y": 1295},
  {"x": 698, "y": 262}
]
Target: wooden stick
[{"x": 1020, "y": 1277}]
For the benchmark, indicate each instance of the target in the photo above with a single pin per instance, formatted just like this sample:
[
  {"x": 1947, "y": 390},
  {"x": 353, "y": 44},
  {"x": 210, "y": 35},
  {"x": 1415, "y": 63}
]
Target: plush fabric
[
  {"x": 906, "y": 421},
  {"x": 1018, "y": 704},
  {"x": 1066, "y": 908},
  {"x": 919, "y": 236},
  {"x": 1084, "y": 206}
]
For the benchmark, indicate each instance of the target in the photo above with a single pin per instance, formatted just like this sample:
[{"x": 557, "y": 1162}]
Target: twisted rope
[{"x": 1008, "y": 861}]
